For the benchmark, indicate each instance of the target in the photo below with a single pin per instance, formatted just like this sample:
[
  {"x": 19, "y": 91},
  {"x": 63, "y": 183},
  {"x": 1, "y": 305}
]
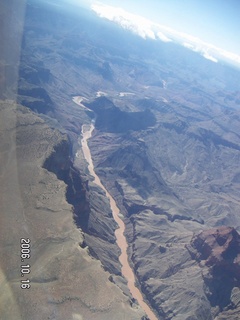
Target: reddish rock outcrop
[
  {"x": 218, "y": 246},
  {"x": 218, "y": 252}
]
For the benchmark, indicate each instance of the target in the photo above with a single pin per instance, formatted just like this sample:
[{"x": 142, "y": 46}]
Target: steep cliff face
[
  {"x": 112, "y": 119},
  {"x": 60, "y": 163},
  {"x": 218, "y": 253},
  {"x": 66, "y": 282},
  {"x": 89, "y": 204}
]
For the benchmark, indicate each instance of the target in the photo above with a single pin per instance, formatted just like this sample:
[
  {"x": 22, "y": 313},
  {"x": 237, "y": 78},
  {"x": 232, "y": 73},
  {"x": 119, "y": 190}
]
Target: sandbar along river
[{"x": 127, "y": 271}]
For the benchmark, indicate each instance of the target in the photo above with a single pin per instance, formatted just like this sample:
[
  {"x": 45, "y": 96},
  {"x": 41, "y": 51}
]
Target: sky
[
  {"x": 210, "y": 27},
  {"x": 213, "y": 21}
]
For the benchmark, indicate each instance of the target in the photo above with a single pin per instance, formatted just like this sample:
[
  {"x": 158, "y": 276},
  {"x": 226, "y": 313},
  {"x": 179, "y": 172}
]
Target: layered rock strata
[{"x": 217, "y": 251}]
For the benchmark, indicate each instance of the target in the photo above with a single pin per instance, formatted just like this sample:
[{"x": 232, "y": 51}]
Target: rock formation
[
  {"x": 166, "y": 147},
  {"x": 66, "y": 283},
  {"x": 218, "y": 252}
]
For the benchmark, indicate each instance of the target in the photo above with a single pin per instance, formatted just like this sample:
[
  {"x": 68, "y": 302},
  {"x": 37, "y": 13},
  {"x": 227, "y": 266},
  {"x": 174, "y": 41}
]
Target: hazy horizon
[{"x": 216, "y": 21}]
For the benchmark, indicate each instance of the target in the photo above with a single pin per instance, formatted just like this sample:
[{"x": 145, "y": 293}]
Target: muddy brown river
[{"x": 126, "y": 270}]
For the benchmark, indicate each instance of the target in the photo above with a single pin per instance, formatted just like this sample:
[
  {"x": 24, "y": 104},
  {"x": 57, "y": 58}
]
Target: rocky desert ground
[{"x": 165, "y": 146}]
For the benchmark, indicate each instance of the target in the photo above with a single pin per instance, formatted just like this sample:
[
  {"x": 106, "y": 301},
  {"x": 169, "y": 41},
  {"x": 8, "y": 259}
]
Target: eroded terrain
[
  {"x": 66, "y": 283},
  {"x": 166, "y": 146}
]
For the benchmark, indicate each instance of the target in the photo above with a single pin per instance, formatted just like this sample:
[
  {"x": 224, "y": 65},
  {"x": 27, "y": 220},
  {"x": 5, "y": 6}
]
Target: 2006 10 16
[{"x": 25, "y": 269}]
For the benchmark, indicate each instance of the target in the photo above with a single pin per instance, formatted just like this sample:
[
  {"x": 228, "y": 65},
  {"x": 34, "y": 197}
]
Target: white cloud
[
  {"x": 147, "y": 29},
  {"x": 200, "y": 49},
  {"x": 188, "y": 45},
  {"x": 134, "y": 23},
  {"x": 209, "y": 57},
  {"x": 162, "y": 37}
]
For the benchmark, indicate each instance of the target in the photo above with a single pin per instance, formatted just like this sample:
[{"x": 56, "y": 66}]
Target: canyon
[
  {"x": 126, "y": 270},
  {"x": 111, "y": 136}
]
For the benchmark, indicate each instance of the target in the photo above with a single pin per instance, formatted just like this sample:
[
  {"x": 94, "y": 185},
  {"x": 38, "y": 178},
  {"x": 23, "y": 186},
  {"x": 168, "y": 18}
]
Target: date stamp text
[{"x": 25, "y": 245}]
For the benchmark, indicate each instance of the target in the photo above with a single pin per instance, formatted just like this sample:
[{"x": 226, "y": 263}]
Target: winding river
[{"x": 127, "y": 271}]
